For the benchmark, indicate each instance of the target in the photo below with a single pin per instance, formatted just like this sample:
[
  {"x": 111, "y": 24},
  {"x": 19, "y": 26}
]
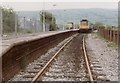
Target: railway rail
[
  {"x": 49, "y": 62},
  {"x": 39, "y": 71},
  {"x": 42, "y": 71},
  {"x": 86, "y": 61},
  {"x": 18, "y": 53}
]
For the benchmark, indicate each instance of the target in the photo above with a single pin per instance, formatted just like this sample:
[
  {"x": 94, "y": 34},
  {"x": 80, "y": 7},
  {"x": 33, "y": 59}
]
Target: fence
[
  {"x": 109, "y": 34},
  {"x": 15, "y": 24}
]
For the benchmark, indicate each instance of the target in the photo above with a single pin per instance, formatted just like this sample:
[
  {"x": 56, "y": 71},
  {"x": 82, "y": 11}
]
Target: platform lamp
[
  {"x": 52, "y": 14},
  {"x": 16, "y": 24},
  {"x": 64, "y": 21}
]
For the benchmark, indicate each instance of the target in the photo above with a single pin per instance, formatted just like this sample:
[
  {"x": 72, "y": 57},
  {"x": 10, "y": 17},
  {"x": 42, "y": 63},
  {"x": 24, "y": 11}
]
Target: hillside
[{"x": 106, "y": 16}]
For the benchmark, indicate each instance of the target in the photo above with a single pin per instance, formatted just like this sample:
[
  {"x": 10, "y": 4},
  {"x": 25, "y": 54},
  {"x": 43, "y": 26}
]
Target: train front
[{"x": 84, "y": 26}]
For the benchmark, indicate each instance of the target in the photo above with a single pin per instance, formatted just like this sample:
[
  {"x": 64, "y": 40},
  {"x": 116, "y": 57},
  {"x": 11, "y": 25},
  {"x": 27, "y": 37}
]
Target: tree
[
  {"x": 98, "y": 24},
  {"x": 49, "y": 19},
  {"x": 8, "y": 20}
]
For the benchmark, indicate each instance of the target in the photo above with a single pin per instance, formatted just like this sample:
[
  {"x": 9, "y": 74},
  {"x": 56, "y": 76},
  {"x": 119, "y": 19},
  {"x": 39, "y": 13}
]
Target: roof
[{"x": 83, "y": 20}]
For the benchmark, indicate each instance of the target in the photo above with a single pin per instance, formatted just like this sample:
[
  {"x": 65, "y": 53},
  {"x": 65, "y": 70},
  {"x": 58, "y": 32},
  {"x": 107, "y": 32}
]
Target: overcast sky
[{"x": 34, "y": 5}]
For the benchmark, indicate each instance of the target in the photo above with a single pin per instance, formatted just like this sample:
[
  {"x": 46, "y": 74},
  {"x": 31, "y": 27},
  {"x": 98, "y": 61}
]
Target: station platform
[
  {"x": 18, "y": 52},
  {"x": 7, "y": 43}
]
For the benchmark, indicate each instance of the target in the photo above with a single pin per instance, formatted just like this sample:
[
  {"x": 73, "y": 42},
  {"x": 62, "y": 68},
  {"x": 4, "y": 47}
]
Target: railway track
[
  {"x": 41, "y": 73},
  {"x": 49, "y": 62},
  {"x": 86, "y": 61},
  {"x": 59, "y": 66},
  {"x": 33, "y": 68}
]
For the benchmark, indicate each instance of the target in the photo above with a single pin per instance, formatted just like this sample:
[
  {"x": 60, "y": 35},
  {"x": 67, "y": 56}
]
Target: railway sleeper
[
  {"x": 33, "y": 71},
  {"x": 56, "y": 70},
  {"x": 97, "y": 66},
  {"x": 54, "y": 74},
  {"x": 29, "y": 76},
  {"x": 96, "y": 69},
  {"x": 37, "y": 67}
]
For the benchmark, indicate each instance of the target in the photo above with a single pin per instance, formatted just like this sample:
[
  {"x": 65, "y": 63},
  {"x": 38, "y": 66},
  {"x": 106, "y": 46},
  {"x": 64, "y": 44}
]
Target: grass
[
  {"x": 112, "y": 45},
  {"x": 109, "y": 43}
]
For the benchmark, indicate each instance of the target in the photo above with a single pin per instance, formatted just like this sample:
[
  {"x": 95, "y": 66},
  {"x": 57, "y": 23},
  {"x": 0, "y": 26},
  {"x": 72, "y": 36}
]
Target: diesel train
[{"x": 85, "y": 26}]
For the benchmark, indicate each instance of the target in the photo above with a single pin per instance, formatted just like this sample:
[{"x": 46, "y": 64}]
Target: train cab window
[{"x": 84, "y": 23}]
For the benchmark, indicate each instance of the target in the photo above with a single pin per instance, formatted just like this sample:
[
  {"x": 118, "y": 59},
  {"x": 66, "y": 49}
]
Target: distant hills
[{"x": 106, "y": 16}]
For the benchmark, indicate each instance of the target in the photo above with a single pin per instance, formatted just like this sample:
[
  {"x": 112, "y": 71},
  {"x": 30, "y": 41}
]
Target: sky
[{"x": 34, "y": 5}]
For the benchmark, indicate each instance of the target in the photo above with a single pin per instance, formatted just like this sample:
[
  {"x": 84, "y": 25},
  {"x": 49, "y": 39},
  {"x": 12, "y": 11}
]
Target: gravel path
[{"x": 105, "y": 53}]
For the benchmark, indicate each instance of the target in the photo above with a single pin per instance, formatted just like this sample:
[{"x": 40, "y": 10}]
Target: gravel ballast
[
  {"x": 69, "y": 65},
  {"x": 33, "y": 68},
  {"x": 105, "y": 53}
]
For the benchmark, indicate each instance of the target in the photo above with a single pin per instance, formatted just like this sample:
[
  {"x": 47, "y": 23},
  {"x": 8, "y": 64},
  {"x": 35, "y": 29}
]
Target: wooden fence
[{"x": 109, "y": 34}]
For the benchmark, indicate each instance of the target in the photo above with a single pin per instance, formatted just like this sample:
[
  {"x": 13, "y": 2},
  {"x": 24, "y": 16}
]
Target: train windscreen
[{"x": 84, "y": 23}]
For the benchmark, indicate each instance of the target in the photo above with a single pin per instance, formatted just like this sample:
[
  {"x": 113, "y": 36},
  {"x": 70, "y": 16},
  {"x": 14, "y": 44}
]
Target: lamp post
[
  {"x": 24, "y": 21},
  {"x": 43, "y": 20},
  {"x": 35, "y": 26},
  {"x": 52, "y": 14},
  {"x": 1, "y": 29},
  {"x": 43, "y": 14},
  {"x": 74, "y": 23},
  {"x": 64, "y": 21},
  {"x": 1, "y": 22},
  {"x": 16, "y": 23},
  {"x": 31, "y": 24}
]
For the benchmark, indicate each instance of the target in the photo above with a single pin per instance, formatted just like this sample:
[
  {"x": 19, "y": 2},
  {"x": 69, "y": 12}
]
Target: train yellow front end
[{"x": 84, "y": 26}]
